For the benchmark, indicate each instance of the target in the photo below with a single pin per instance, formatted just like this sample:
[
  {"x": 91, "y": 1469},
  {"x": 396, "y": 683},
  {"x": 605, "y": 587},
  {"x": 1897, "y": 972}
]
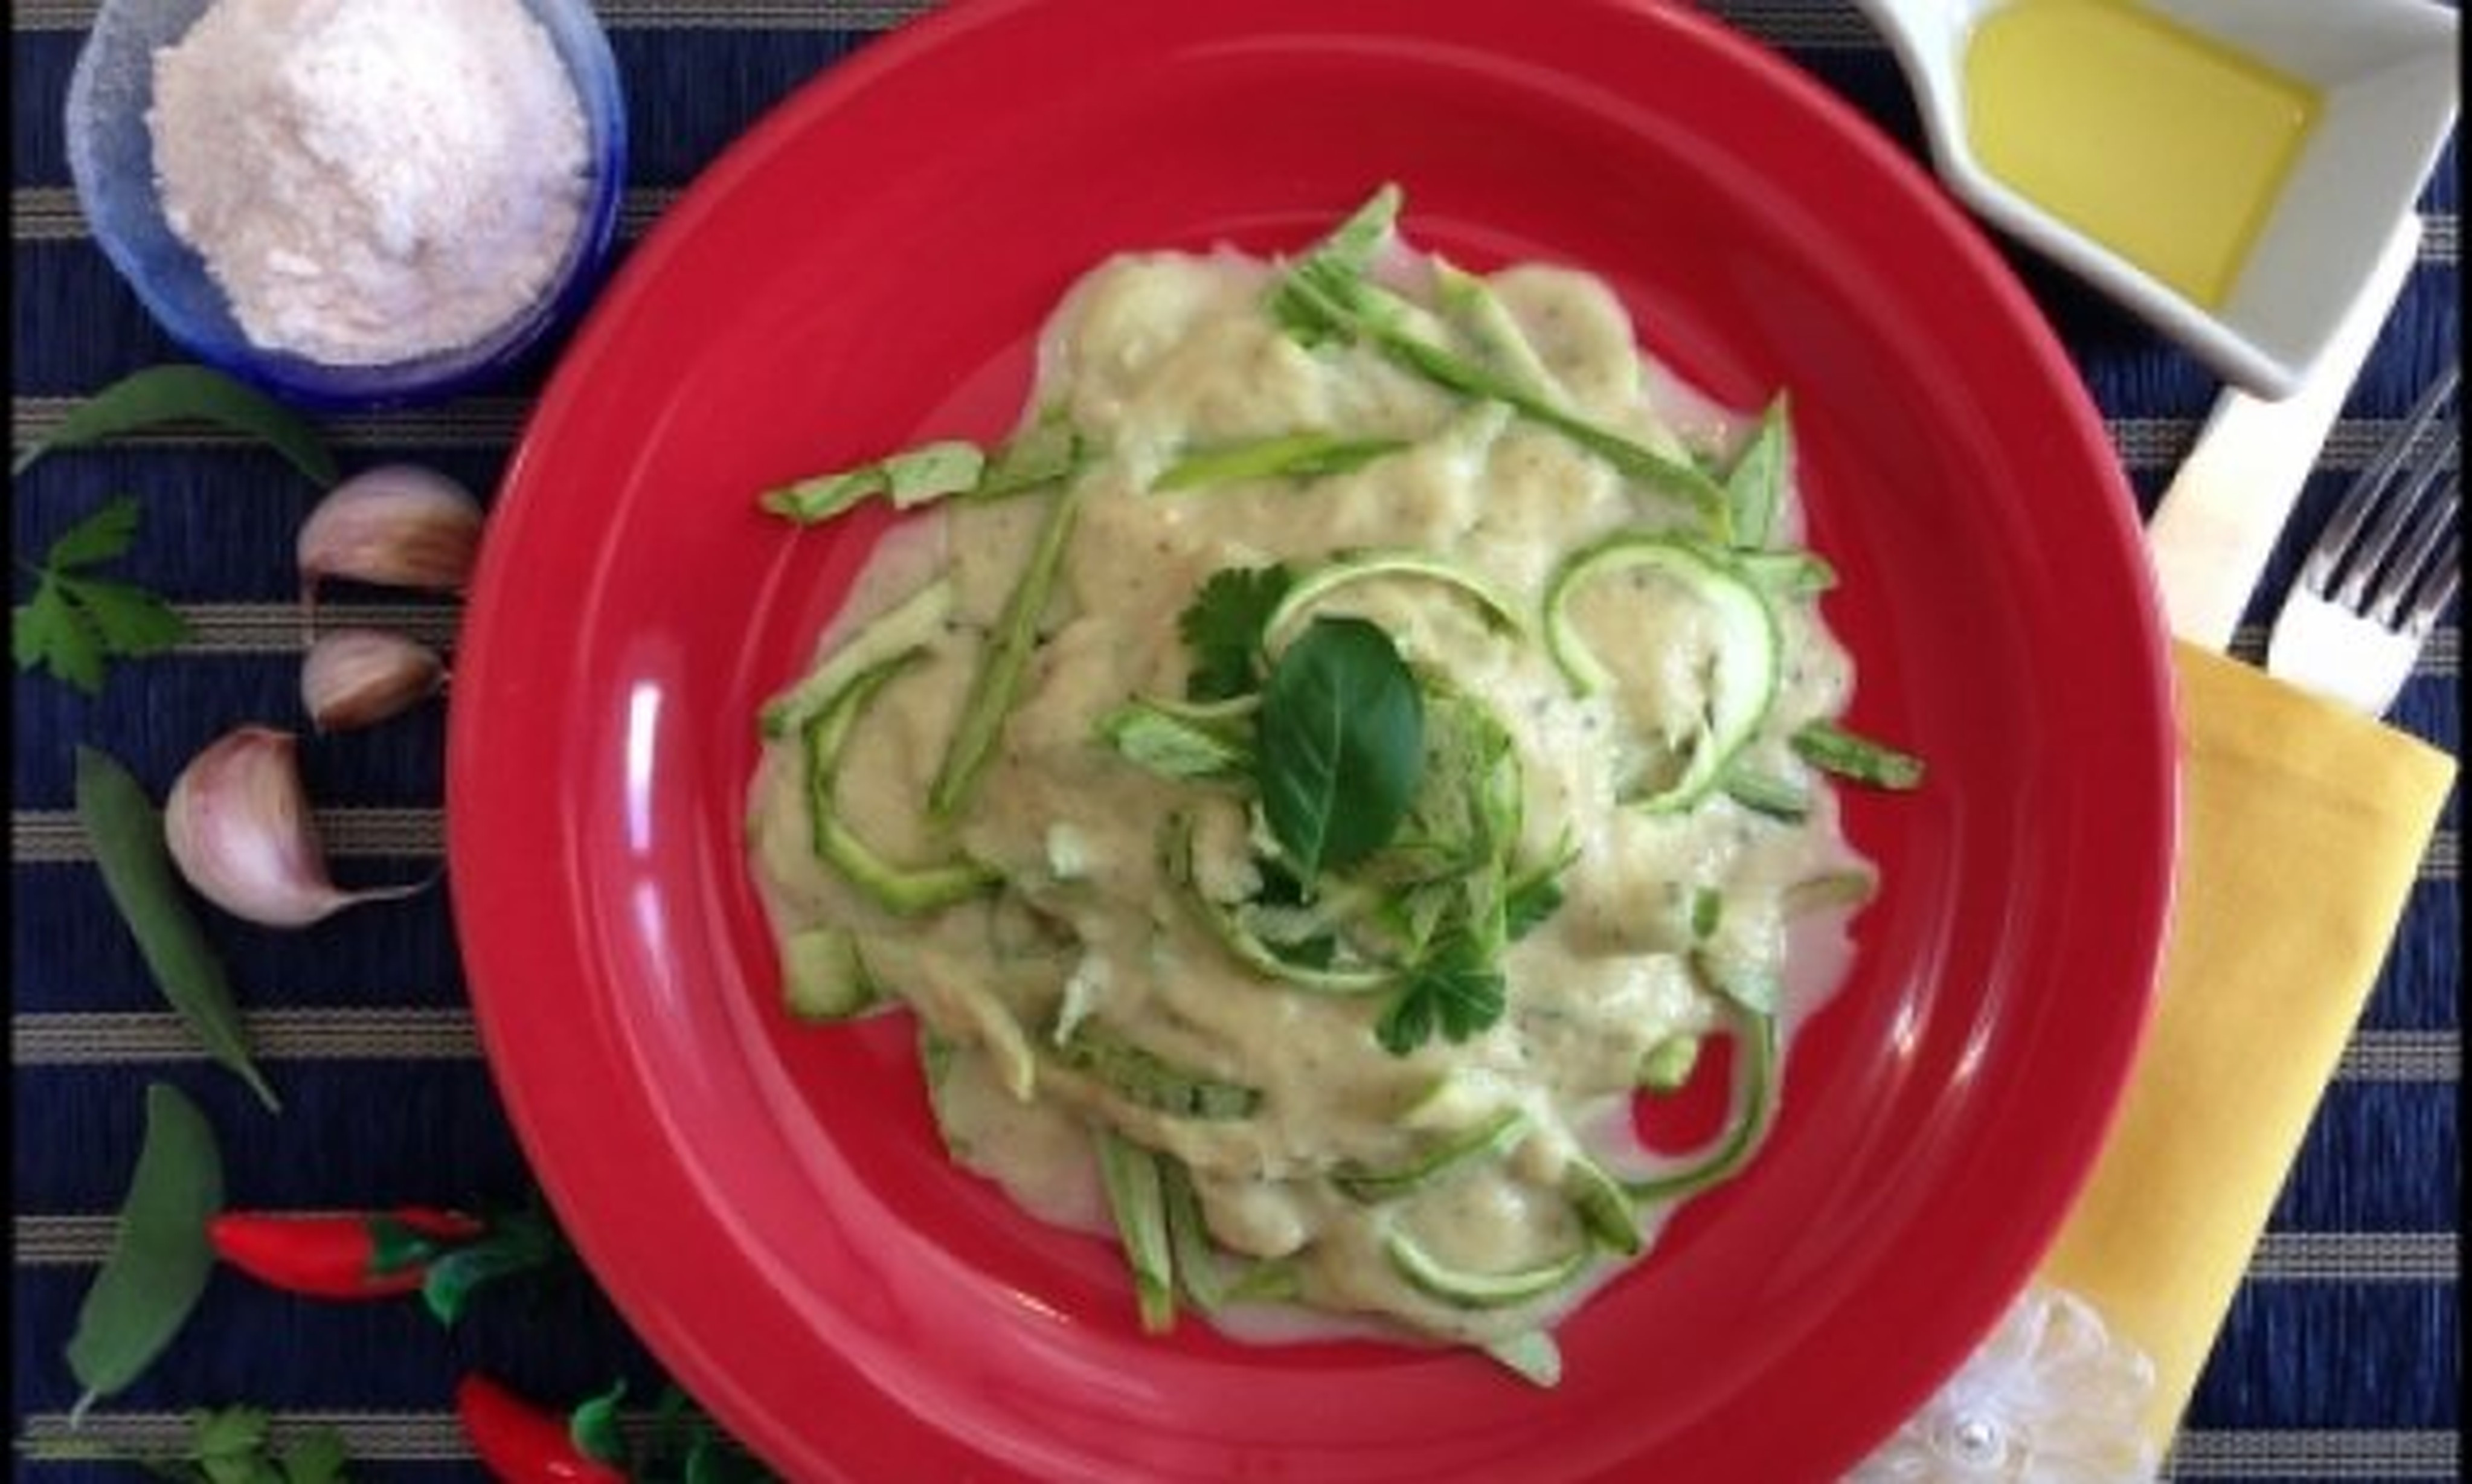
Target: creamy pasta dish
[{"x": 1369, "y": 729}]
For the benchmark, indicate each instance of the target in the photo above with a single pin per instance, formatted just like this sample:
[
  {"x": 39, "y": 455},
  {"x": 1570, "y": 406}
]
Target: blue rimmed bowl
[{"x": 112, "y": 161}]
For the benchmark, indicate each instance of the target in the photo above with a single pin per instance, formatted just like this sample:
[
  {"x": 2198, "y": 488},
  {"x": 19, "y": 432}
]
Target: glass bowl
[{"x": 112, "y": 162}]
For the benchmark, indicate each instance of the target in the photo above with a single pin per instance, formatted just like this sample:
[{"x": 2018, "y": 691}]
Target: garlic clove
[
  {"x": 398, "y": 525},
  {"x": 358, "y": 676},
  {"x": 237, "y": 824}
]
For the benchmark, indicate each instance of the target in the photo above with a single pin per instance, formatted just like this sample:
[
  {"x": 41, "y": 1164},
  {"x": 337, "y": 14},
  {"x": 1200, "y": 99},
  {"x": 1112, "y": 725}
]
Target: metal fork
[{"x": 2383, "y": 570}]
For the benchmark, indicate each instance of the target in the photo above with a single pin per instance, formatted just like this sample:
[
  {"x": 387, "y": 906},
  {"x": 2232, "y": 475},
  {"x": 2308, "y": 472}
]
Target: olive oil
[{"x": 2159, "y": 142}]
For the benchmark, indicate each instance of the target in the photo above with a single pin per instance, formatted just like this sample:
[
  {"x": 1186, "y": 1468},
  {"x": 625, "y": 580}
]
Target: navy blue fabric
[{"x": 2342, "y": 1353}]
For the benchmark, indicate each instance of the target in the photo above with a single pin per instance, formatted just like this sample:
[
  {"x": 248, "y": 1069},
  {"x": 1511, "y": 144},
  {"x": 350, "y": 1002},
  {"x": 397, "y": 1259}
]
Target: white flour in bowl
[{"x": 371, "y": 181}]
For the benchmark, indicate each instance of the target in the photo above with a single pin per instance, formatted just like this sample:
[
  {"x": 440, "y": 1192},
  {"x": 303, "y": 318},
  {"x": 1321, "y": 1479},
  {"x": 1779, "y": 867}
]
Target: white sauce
[{"x": 1155, "y": 355}]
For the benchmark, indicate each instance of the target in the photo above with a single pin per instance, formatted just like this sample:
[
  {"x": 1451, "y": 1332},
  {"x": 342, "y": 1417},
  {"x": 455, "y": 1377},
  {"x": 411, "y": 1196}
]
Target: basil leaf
[
  {"x": 188, "y": 393},
  {"x": 126, "y": 833},
  {"x": 1339, "y": 745},
  {"x": 159, "y": 1259}
]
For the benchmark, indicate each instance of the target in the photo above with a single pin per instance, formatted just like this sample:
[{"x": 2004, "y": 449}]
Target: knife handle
[{"x": 2216, "y": 524}]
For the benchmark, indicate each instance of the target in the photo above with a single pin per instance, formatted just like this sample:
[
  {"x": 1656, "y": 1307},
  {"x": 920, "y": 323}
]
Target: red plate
[{"x": 769, "y": 1206}]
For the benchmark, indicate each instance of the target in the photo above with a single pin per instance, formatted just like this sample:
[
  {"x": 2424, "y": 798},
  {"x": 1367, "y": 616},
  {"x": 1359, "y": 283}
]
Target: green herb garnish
[
  {"x": 1223, "y": 629},
  {"x": 76, "y": 623},
  {"x": 187, "y": 394},
  {"x": 1533, "y": 897},
  {"x": 160, "y": 1259},
  {"x": 232, "y": 1444},
  {"x": 1339, "y": 745},
  {"x": 125, "y": 831},
  {"x": 1456, "y": 990}
]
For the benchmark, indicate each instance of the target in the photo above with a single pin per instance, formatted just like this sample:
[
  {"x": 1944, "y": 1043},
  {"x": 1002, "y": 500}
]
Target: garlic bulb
[
  {"x": 357, "y": 677},
  {"x": 237, "y": 824},
  {"x": 398, "y": 525}
]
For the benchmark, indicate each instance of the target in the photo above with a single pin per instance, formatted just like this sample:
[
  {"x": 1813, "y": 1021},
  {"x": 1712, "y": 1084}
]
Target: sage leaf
[
  {"x": 188, "y": 393},
  {"x": 159, "y": 1259},
  {"x": 1340, "y": 743},
  {"x": 125, "y": 830}
]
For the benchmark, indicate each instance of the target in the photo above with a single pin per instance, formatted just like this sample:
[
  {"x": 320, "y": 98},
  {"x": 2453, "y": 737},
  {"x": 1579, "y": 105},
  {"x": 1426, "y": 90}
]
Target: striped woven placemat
[{"x": 2343, "y": 1356}]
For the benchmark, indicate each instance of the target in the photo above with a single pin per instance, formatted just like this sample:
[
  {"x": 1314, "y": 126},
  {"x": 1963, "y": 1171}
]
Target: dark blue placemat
[{"x": 2343, "y": 1356}]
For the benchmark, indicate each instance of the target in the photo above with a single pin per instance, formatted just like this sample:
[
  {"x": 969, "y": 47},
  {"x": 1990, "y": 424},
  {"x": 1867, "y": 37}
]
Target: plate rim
[{"x": 813, "y": 103}]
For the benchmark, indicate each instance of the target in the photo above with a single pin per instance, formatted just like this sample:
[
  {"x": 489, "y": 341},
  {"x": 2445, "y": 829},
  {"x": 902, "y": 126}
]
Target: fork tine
[
  {"x": 2444, "y": 577},
  {"x": 2319, "y": 568},
  {"x": 2403, "y": 575},
  {"x": 2380, "y": 587}
]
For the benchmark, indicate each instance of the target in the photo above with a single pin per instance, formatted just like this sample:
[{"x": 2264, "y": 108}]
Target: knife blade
[{"x": 2215, "y": 526}]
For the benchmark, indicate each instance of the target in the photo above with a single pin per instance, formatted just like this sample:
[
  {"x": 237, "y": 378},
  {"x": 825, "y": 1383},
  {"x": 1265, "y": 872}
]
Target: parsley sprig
[
  {"x": 1387, "y": 803},
  {"x": 1223, "y": 629},
  {"x": 76, "y": 623},
  {"x": 236, "y": 1445}
]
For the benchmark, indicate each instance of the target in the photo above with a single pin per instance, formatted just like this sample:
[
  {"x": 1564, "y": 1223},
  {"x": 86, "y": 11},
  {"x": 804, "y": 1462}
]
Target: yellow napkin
[{"x": 2302, "y": 828}]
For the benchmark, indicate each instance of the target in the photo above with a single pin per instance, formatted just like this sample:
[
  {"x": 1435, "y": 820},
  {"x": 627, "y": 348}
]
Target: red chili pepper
[
  {"x": 520, "y": 1443},
  {"x": 336, "y": 1256}
]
